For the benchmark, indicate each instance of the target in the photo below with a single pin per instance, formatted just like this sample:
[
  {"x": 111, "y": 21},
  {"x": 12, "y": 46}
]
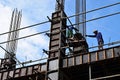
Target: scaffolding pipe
[
  {"x": 63, "y": 18},
  {"x": 90, "y": 76},
  {"x": 94, "y": 10},
  {"x": 106, "y": 77},
  {"x": 68, "y": 25}
]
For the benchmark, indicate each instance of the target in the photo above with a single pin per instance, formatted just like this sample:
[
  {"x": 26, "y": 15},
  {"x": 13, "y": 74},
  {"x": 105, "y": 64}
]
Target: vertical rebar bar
[
  {"x": 81, "y": 8},
  {"x": 77, "y": 18},
  {"x": 14, "y": 25}
]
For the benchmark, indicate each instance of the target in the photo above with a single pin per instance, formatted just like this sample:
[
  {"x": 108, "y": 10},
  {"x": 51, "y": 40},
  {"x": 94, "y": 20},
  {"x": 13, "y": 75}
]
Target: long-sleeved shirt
[{"x": 98, "y": 36}]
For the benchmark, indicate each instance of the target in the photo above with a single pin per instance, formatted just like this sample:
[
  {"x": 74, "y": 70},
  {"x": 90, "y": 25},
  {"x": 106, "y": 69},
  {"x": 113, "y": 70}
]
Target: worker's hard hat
[{"x": 95, "y": 31}]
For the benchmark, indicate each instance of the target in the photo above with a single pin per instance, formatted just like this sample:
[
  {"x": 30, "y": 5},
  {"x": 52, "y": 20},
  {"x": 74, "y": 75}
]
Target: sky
[{"x": 36, "y": 11}]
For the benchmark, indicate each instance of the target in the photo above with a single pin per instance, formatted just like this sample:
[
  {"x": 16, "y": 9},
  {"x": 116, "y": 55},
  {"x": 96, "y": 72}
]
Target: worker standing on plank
[{"x": 99, "y": 37}]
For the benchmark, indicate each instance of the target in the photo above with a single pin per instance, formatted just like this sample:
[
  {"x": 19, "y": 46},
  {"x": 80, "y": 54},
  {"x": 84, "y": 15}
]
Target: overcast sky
[{"x": 36, "y": 11}]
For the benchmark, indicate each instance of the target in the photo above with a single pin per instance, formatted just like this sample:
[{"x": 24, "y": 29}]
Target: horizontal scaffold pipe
[
  {"x": 25, "y": 37},
  {"x": 109, "y": 44},
  {"x": 98, "y": 18},
  {"x": 69, "y": 25},
  {"x": 63, "y": 18},
  {"x": 27, "y": 62},
  {"x": 63, "y": 30},
  {"x": 107, "y": 77},
  {"x": 93, "y": 10},
  {"x": 25, "y": 27},
  {"x": 32, "y": 61}
]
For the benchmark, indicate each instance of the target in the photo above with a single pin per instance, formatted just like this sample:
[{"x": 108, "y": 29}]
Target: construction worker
[
  {"x": 70, "y": 31},
  {"x": 99, "y": 37}
]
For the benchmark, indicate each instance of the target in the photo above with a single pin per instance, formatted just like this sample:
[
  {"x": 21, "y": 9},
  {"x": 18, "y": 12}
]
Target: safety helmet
[{"x": 95, "y": 31}]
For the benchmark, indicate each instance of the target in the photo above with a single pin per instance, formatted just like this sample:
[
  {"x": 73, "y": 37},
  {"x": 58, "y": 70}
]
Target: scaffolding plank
[
  {"x": 117, "y": 51},
  {"x": 24, "y": 71},
  {"x": 85, "y": 58},
  {"x": 92, "y": 56},
  {"x": 109, "y": 53},
  {"x": 54, "y": 37},
  {"x": 101, "y": 55}
]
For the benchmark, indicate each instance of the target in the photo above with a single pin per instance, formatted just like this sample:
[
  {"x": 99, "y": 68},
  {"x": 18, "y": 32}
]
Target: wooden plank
[
  {"x": 4, "y": 76},
  {"x": 109, "y": 53},
  {"x": 25, "y": 71},
  {"x": 43, "y": 68},
  {"x": 54, "y": 42},
  {"x": 97, "y": 56},
  {"x": 67, "y": 62},
  {"x": 81, "y": 59},
  {"x": 64, "y": 62},
  {"x": 113, "y": 53},
  {"x": 55, "y": 31},
  {"x": 117, "y": 51},
  {"x": 54, "y": 37},
  {"x": 70, "y": 61},
  {"x": 0, "y": 76},
  {"x": 85, "y": 58},
  {"x": 77, "y": 60},
  {"x": 101, "y": 55},
  {"x": 89, "y": 58},
  {"x": 11, "y": 73},
  {"x": 94, "y": 56},
  {"x": 57, "y": 25},
  {"x": 104, "y": 52},
  {"x": 16, "y": 73},
  {"x": 29, "y": 71},
  {"x": 74, "y": 61}
]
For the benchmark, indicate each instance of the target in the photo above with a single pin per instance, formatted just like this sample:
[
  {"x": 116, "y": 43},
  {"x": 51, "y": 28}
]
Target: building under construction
[{"x": 80, "y": 64}]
